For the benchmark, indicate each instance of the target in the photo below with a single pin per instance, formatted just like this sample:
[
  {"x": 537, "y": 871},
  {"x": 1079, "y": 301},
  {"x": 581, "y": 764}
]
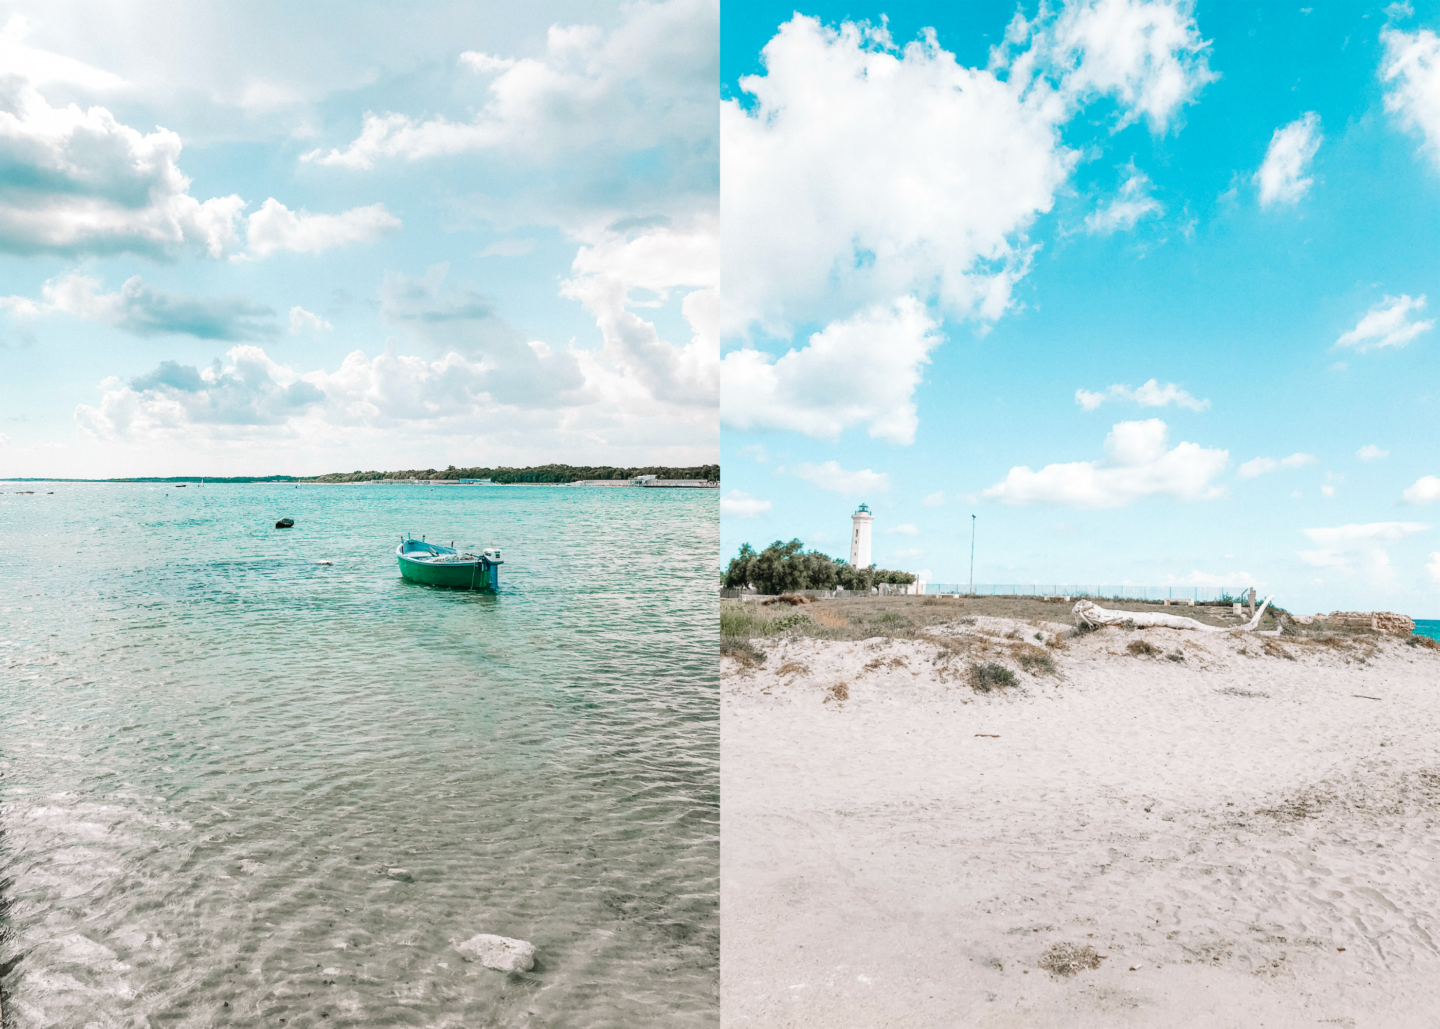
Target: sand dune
[{"x": 1235, "y": 838}]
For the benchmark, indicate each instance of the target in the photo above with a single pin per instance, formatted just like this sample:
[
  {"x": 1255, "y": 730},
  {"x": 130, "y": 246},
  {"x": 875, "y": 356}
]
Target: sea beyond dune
[{"x": 254, "y": 777}]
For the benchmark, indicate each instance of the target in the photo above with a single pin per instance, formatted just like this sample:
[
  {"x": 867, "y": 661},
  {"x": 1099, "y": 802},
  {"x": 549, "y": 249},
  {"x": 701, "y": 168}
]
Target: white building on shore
[{"x": 860, "y": 538}]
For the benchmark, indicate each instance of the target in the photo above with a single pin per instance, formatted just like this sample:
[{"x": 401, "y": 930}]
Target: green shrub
[
  {"x": 787, "y": 622},
  {"x": 989, "y": 676},
  {"x": 1038, "y": 664}
]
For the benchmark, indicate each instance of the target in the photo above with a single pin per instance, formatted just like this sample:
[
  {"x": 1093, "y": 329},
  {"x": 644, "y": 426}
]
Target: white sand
[{"x": 885, "y": 865}]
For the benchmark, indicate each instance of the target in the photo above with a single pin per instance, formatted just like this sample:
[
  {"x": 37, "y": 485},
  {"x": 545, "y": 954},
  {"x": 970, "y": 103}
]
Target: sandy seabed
[{"x": 1248, "y": 837}]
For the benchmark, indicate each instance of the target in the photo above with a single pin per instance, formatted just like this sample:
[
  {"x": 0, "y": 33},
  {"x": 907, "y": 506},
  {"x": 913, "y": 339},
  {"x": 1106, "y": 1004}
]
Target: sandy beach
[{"x": 1229, "y": 831}]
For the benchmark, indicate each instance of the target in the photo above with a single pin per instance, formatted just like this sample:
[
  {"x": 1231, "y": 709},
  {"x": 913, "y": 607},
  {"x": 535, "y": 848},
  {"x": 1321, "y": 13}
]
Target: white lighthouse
[{"x": 860, "y": 538}]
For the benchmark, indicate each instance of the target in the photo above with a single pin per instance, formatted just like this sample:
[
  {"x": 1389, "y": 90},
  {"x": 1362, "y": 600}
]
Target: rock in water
[
  {"x": 499, "y": 952},
  {"x": 400, "y": 875},
  {"x": 285, "y": 523}
]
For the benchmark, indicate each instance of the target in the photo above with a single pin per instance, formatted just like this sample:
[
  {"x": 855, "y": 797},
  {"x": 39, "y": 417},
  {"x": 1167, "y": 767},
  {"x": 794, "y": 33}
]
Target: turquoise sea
[
  {"x": 240, "y": 787},
  {"x": 1429, "y": 628}
]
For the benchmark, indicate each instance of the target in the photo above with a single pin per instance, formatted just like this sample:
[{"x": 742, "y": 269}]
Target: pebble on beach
[{"x": 499, "y": 952}]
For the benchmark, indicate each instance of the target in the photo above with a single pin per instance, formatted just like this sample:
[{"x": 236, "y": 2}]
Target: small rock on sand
[
  {"x": 400, "y": 875},
  {"x": 499, "y": 952}
]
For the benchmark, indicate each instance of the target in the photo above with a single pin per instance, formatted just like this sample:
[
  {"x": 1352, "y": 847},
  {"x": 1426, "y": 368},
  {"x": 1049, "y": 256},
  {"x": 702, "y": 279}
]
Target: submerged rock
[
  {"x": 285, "y": 523},
  {"x": 499, "y": 952}
]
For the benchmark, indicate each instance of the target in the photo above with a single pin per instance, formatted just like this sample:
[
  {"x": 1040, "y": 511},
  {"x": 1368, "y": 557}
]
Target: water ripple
[{"x": 240, "y": 786}]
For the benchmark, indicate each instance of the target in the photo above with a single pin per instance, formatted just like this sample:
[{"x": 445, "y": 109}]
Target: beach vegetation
[
  {"x": 536, "y": 473},
  {"x": 1141, "y": 648},
  {"x": 741, "y": 650},
  {"x": 1037, "y": 662},
  {"x": 1175, "y": 656},
  {"x": 789, "y": 568},
  {"x": 1067, "y": 959},
  {"x": 989, "y": 676},
  {"x": 736, "y": 621},
  {"x": 791, "y": 621}
]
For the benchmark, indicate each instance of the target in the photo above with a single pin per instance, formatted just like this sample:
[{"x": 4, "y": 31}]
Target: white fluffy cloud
[
  {"x": 860, "y": 371},
  {"x": 1425, "y": 490},
  {"x": 858, "y": 176},
  {"x": 1411, "y": 71},
  {"x": 1361, "y": 547},
  {"x": 275, "y": 227},
  {"x": 302, "y": 320},
  {"x": 79, "y": 182},
  {"x": 861, "y": 173},
  {"x": 1282, "y": 178},
  {"x": 830, "y": 476},
  {"x": 1370, "y": 452},
  {"x": 736, "y": 504},
  {"x": 1387, "y": 324},
  {"x": 1149, "y": 56},
  {"x": 146, "y": 311},
  {"x": 481, "y": 381},
  {"x": 660, "y": 261},
  {"x": 936, "y": 499},
  {"x": 1136, "y": 464},
  {"x": 250, "y": 399},
  {"x": 1264, "y": 465},
  {"x": 1127, "y": 207},
  {"x": 1151, "y": 394},
  {"x": 649, "y": 82}
]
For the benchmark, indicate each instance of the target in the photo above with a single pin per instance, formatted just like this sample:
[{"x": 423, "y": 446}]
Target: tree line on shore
[
  {"x": 789, "y": 567},
  {"x": 538, "y": 473}
]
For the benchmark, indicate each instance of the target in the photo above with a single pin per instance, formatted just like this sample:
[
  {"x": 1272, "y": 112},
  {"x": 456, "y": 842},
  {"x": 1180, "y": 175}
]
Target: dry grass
[
  {"x": 1140, "y": 648},
  {"x": 1274, "y": 648},
  {"x": 1067, "y": 959},
  {"x": 793, "y": 599},
  {"x": 741, "y": 650},
  {"x": 830, "y": 619},
  {"x": 880, "y": 662},
  {"x": 839, "y": 692},
  {"x": 1424, "y": 642}
]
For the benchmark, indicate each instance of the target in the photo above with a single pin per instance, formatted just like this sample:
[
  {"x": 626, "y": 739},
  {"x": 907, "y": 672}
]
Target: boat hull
[{"x": 479, "y": 575}]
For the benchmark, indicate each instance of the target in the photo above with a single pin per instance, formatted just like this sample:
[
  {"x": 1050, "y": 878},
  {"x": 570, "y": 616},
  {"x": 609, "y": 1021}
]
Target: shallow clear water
[
  {"x": 215, "y": 749},
  {"x": 1424, "y": 627}
]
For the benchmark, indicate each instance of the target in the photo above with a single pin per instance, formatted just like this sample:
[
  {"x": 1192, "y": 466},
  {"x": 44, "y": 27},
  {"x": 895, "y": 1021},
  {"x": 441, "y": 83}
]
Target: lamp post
[{"x": 972, "y": 555}]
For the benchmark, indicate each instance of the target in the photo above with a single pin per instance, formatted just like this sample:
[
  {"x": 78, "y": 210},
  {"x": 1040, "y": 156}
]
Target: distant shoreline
[{"x": 534, "y": 475}]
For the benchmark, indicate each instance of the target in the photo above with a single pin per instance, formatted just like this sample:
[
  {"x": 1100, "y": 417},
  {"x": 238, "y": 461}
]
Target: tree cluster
[
  {"x": 789, "y": 567},
  {"x": 539, "y": 473}
]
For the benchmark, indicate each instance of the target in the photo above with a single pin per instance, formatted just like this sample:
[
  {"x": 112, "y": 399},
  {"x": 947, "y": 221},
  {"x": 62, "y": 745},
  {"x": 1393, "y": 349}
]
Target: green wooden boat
[{"x": 434, "y": 565}]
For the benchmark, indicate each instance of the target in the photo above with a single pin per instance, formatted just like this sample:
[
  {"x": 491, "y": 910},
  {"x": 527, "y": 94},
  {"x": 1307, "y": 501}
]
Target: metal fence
[{"x": 1198, "y": 594}]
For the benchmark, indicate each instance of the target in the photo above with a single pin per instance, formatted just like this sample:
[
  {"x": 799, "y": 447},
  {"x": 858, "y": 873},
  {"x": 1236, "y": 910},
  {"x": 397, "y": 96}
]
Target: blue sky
[
  {"x": 259, "y": 238},
  {"x": 1150, "y": 290}
]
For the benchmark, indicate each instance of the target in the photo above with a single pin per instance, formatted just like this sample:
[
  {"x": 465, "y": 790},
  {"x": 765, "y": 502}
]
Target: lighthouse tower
[{"x": 860, "y": 538}]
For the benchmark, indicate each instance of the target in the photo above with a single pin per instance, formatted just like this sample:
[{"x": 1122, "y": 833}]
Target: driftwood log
[{"x": 1087, "y": 612}]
